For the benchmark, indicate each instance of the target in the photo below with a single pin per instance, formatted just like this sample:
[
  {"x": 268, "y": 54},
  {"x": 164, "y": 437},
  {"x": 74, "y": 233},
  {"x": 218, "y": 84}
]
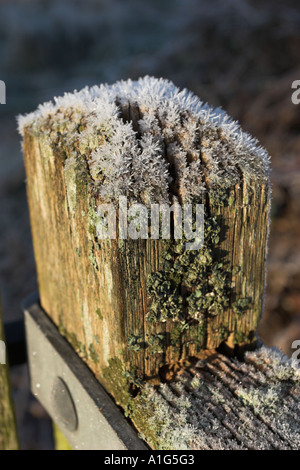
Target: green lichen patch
[
  {"x": 156, "y": 343},
  {"x": 192, "y": 285},
  {"x": 165, "y": 427},
  {"x": 263, "y": 399},
  {"x": 135, "y": 342},
  {"x": 222, "y": 333},
  {"x": 93, "y": 355},
  {"x": 72, "y": 339},
  {"x": 240, "y": 337},
  {"x": 176, "y": 332},
  {"x": 92, "y": 256},
  {"x": 241, "y": 306},
  {"x": 78, "y": 252},
  {"x": 219, "y": 195},
  {"x": 99, "y": 314},
  {"x": 167, "y": 301},
  {"x": 276, "y": 365},
  {"x": 114, "y": 376}
]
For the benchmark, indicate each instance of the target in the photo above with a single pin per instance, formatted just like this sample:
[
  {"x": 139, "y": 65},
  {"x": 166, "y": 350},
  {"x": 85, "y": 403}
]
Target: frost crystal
[
  {"x": 222, "y": 403},
  {"x": 150, "y": 141}
]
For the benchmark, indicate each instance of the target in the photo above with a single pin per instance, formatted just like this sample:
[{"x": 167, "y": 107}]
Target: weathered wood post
[
  {"x": 8, "y": 431},
  {"x": 136, "y": 310}
]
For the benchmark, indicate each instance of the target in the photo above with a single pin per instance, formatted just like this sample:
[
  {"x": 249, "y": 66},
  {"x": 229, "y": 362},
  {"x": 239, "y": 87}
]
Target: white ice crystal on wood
[
  {"x": 222, "y": 403},
  {"x": 148, "y": 139}
]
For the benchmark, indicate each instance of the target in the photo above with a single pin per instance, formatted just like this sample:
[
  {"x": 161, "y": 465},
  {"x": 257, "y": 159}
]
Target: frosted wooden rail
[{"x": 142, "y": 312}]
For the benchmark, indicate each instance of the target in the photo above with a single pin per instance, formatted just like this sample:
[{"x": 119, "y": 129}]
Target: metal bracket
[{"x": 69, "y": 392}]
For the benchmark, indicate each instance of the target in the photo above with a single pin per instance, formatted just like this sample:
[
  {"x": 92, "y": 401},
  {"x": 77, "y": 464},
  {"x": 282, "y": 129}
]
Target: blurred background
[{"x": 242, "y": 55}]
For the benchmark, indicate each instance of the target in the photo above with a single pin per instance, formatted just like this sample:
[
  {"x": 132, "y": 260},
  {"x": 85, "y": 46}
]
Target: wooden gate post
[
  {"x": 8, "y": 430},
  {"x": 136, "y": 309}
]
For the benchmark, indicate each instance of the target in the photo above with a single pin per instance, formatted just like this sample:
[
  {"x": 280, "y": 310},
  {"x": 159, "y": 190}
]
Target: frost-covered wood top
[
  {"x": 151, "y": 141},
  {"x": 222, "y": 403}
]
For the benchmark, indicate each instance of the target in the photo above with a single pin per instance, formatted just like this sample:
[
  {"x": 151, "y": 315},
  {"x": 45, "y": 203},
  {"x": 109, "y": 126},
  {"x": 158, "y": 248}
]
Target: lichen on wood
[{"x": 146, "y": 303}]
